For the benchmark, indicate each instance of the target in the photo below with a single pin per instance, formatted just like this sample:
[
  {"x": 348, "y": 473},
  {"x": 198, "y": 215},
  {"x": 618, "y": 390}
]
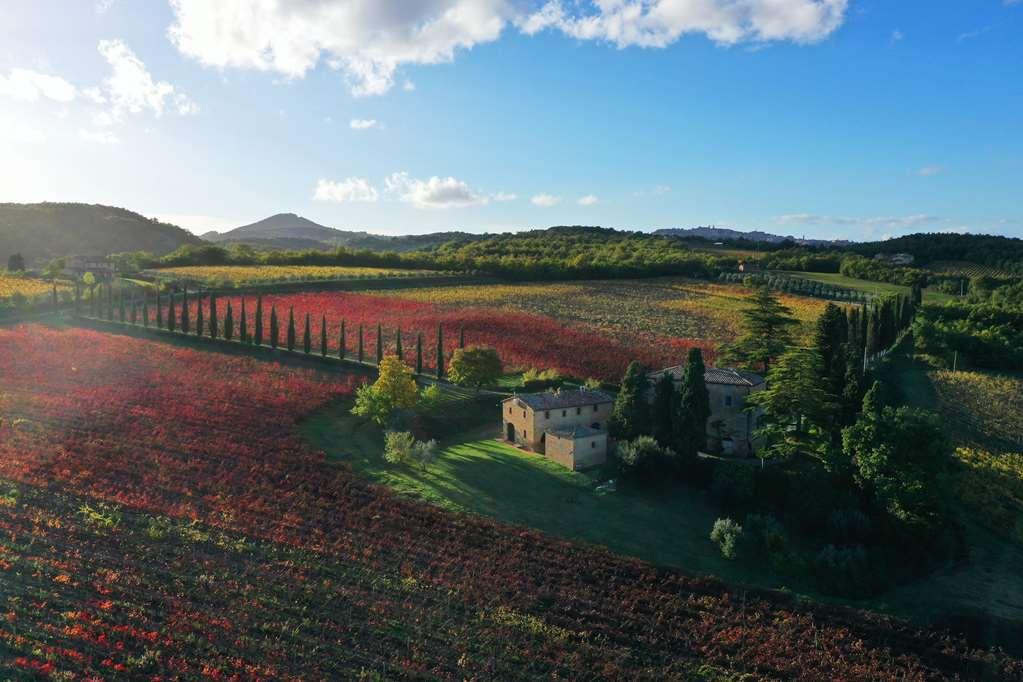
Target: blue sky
[{"x": 829, "y": 118}]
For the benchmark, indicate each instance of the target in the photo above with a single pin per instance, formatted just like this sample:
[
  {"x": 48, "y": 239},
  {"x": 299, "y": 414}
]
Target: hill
[
  {"x": 40, "y": 232},
  {"x": 288, "y": 231},
  {"x": 751, "y": 236}
]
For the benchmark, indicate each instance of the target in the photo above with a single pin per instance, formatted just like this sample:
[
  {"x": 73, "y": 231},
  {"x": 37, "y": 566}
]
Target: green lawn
[{"x": 878, "y": 288}]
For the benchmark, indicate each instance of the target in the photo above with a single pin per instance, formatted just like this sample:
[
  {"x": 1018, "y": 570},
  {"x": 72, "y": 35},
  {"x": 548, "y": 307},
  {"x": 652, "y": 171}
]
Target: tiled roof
[
  {"x": 561, "y": 399},
  {"x": 715, "y": 375},
  {"x": 575, "y": 432}
]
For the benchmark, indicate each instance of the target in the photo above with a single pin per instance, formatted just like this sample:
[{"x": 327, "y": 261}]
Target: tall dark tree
[
  {"x": 461, "y": 337},
  {"x": 380, "y": 343},
  {"x": 766, "y": 331},
  {"x": 361, "y": 345},
  {"x": 243, "y": 325},
  {"x": 342, "y": 348},
  {"x": 307, "y": 333},
  {"x": 185, "y": 321},
  {"x": 120, "y": 304},
  {"x": 172, "y": 313},
  {"x": 830, "y": 338},
  {"x": 145, "y": 310},
  {"x": 662, "y": 410},
  {"x": 274, "y": 330},
  {"x": 795, "y": 405},
  {"x": 440, "y": 352},
  {"x": 15, "y": 263},
  {"x": 419, "y": 352},
  {"x": 258, "y": 338},
  {"x": 134, "y": 308},
  {"x": 159, "y": 311},
  {"x": 110, "y": 303},
  {"x": 229, "y": 322},
  {"x": 214, "y": 322},
  {"x": 693, "y": 407},
  {"x": 630, "y": 415},
  {"x": 323, "y": 336},
  {"x": 398, "y": 350},
  {"x": 200, "y": 320},
  {"x": 290, "y": 333}
]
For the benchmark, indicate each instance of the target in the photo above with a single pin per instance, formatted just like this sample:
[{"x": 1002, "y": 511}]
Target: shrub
[
  {"x": 732, "y": 484},
  {"x": 847, "y": 571},
  {"x": 430, "y": 398},
  {"x": 848, "y": 526},
  {"x": 425, "y": 452},
  {"x": 644, "y": 457},
  {"x": 763, "y": 537},
  {"x": 399, "y": 446},
  {"x": 725, "y": 534},
  {"x": 541, "y": 380}
]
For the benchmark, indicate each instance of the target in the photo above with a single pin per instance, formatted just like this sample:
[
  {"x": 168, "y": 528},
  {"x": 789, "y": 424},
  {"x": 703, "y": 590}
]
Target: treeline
[
  {"x": 796, "y": 285},
  {"x": 994, "y": 251}
]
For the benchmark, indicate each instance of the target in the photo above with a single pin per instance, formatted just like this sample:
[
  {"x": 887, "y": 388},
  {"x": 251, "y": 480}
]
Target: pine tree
[
  {"x": 693, "y": 408},
  {"x": 795, "y": 405},
  {"x": 172, "y": 314},
  {"x": 380, "y": 343},
  {"x": 766, "y": 334},
  {"x": 200, "y": 322},
  {"x": 630, "y": 415},
  {"x": 274, "y": 331},
  {"x": 323, "y": 336},
  {"x": 243, "y": 325},
  {"x": 214, "y": 323},
  {"x": 440, "y": 352},
  {"x": 290, "y": 338},
  {"x": 342, "y": 349},
  {"x": 185, "y": 322},
  {"x": 662, "y": 410},
  {"x": 398, "y": 350},
  {"x": 360, "y": 344},
  {"x": 258, "y": 340},
  {"x": 307, "y": 341},
  {"x": 229, "y": 322},
  {"x": 419, "y": 352}
]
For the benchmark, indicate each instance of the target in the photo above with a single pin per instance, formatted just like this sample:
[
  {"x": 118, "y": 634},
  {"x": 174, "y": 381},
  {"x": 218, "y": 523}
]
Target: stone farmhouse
[
  {"x": 730, "y": 428},
  {"x": 569, "y": 427}
]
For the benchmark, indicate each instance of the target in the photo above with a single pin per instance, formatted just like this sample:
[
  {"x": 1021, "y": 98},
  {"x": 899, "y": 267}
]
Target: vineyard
[
  {"x": 16, "y": 288},
  {"x": 953, "y": 268},
  {"x": 240, "y": 275},
  {"x": 161, "y": 518}
]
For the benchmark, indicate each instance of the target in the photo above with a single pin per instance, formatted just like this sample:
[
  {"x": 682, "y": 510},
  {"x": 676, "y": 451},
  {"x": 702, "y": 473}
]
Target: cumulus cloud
[
  {"x": 435, "y": 192},
  {"x": 26, "y": 85},
  {"x": 364, "y": 123},
  {"x": 98, "y": 136},
  {"x": 544, "y": 200},
  {"x": 928, "y": 171},
  {"x": 130, "y": 88},
  {"x": 588, "y": 200},
  {"x": 347, "y": 190},
  {"x": 369, "y": 41}
]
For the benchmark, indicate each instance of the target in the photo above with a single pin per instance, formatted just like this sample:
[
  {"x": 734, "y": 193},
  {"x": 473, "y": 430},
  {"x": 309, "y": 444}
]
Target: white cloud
[
  {"x": 656, "y": 191},
  {"x": 545, "y": 200},
  {"x": 26, "y": 85},
  {"x": 928, "y": 171},
  {"x": 897, "y": 36},
  {"x": 347, "y": 190},
  {"x": 504, "y": 196},
  {"x": 98, "y": 136},
  {"x": 408, "y": 86},
  {"x": 369, "y": 40},
  {"x": 588, "y": 200},
  {"x": 433, "y": 193},
  {"x": 130, "y": 88},
  {"x": 365, "y": 124},
  {"x": 103, "y": 6},
  {"x": 658, "y": 23}
]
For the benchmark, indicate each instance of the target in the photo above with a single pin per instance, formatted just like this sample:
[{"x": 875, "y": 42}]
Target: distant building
[
  {"x": 749, "y": 266},
  {"x": 730, "y": 428},
  {"x": 569, "y": 427},
  {"x": 77, "y": 266},
  {"x": 895, "y": 258}
]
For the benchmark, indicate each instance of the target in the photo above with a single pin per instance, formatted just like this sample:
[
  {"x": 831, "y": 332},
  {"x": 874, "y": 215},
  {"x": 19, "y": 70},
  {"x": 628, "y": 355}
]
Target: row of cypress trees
[{"x": 133, "y": 310}]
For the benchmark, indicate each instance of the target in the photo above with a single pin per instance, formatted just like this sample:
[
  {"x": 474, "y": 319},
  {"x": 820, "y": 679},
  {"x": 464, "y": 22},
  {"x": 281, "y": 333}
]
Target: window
[
  {"x": 547, "y": 414},
  {"x": 509, "y": 409},
  {"x": 594, "y": 408},
  {"x": 578, "y": 410},
  {"x": 593, "y": 444},
  {"x": 564, "y": 413},
  {"x": 728, "y": 401},
  {"x": 523, "y": 414}
]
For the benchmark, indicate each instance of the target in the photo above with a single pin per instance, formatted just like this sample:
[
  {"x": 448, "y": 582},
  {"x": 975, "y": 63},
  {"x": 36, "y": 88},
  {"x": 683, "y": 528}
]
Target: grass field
[
  {"x": 710, "y": 313},
  {"x": 867, "y": 286},
  {"x": 237, "y": 275}
]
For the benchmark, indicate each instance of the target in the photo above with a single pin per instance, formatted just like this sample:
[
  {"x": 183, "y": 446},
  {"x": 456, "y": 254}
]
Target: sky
[{"x": 854, "y": 119}]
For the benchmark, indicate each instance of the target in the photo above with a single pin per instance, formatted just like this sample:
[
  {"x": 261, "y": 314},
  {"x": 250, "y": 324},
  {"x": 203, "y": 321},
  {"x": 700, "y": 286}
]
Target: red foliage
[
  {"x": 523, "y": 340},
  {"x": 277, "y": 563}
]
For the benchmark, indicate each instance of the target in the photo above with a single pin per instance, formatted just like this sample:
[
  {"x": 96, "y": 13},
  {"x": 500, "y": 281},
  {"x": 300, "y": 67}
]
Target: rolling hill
[{"x": 40, "y": 232}]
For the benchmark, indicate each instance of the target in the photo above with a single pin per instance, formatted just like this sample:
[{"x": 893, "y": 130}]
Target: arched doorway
[{"x": 510, "y": 433}]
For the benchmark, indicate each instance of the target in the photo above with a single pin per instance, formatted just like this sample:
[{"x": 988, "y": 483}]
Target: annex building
[{"x": 569, "y": 427}]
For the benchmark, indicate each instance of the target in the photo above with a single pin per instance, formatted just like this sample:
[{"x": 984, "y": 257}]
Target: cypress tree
[
  {"x": 341, "y": 342},
  {"x": 214, "y": 323},
  {"x": 229, "y": 322},
  {"x": 172, "y": 314},
  {"x": 630, "y": 415},
  {"x": 419, "y": 353},
  {"x": 258, "y": 340},
  {"x": 693, "y": 409},
  {"x": 273, "y": 326},
  {"x": 53, "y": 294},
  {"x": 120, "y": 303},
  {"x": 78, "y": 298},
  {"x": 323, "y": 336},
  {"x": 290, "y": 338},
  {"x": 145, "y": 310},
  {"x": 243, "y": 326},
  {"x": 200, "y": 322},
  {"x": 461, "y": 337},
  {"x": 110, "y": 302},
  {"x": 829, "y": 339},
  {"x": 307, "y": 341},
  {"x": 159, "y": 311},
  {"x": 440, "y": 352},
  {"x": 380, "y": 343},
  {"x": 662, "y": 410},
  {"x": 134, "y": 308},
  {"x": 185, "y": 327},
  {"x": 360, "y": 343},
  {"x": 398, "y": 350}
]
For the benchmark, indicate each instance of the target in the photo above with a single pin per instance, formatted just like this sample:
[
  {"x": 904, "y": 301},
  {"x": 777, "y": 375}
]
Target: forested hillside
[{"x": 51, "y": 230}]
